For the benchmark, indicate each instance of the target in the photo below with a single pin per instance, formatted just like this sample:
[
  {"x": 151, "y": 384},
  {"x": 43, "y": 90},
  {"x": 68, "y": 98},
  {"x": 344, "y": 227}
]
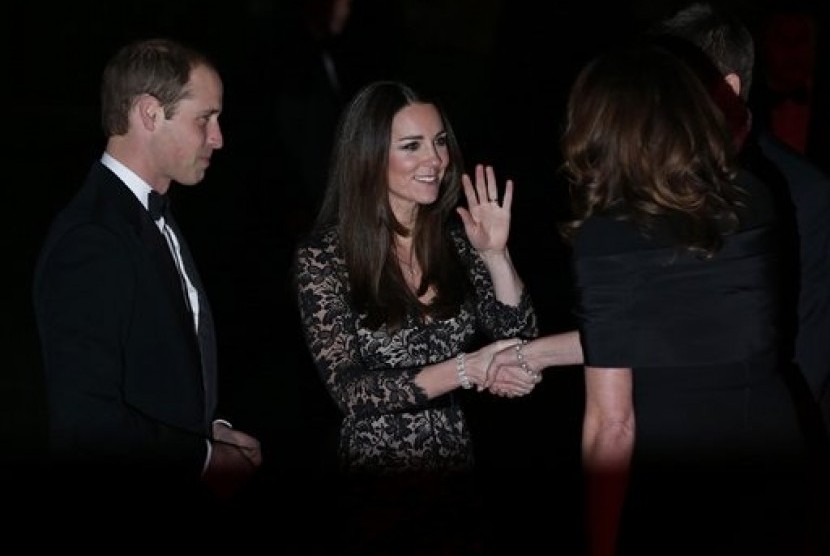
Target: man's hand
[{"x": 234, "y": 459}]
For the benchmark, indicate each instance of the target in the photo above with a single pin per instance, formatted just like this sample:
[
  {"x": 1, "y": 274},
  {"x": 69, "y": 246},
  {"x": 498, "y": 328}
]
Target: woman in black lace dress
[{"x": 399, "y": 288}]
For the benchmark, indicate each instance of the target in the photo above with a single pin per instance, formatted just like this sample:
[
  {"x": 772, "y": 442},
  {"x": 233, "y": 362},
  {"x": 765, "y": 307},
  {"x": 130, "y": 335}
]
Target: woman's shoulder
[
  {"x": 319, "y": 239},
  {"x": 320, "y": 246},
  {"x": 602, "y": 235}
]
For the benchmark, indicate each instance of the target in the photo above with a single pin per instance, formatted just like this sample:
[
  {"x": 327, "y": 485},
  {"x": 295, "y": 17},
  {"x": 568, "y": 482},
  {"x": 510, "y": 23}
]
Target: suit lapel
[{"x": 207, "y": 339}]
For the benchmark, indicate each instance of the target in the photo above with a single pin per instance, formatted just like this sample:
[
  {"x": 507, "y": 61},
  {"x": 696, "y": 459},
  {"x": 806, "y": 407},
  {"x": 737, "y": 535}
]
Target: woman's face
[{"x": 418, "y": 158}]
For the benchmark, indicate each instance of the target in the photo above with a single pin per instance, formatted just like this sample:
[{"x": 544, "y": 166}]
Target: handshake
[{"x": 503, "y": 368}]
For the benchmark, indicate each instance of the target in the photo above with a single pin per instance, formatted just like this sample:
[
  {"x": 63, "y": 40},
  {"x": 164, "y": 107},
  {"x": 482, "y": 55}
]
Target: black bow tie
[{"x": 158, "y": 205}]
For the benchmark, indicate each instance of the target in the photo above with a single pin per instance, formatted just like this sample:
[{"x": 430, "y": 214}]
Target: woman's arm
[
  {"x": 487, "y": 224},
  {"x": 553, "y": 350},
  {"x": 503, "y": 306},
  {"x": 607, "y": 442},
  {"x": 532, "y": 357}
]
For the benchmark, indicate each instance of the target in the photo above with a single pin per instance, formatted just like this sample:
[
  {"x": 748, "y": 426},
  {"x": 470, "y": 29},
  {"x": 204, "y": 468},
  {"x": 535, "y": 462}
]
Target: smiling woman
[{"x": 394, "y": 284}]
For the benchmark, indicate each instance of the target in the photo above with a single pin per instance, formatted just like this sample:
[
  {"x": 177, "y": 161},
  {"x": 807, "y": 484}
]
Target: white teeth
[{"x": 426, "y": 178}]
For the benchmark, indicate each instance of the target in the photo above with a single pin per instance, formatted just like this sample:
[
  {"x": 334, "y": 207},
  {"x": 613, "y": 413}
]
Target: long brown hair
[
  {"x": 644, "y": 141},
  {"x": 357, "y": 203}
]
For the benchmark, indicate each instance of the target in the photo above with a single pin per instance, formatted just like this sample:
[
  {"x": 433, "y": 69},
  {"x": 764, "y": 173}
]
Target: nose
[
  {"x": 215, "y": 139},
  {"x": 434, "y": 155}
]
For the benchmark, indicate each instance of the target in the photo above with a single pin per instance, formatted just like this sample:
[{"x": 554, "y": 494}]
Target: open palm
[{"x": 486, "y": 221}]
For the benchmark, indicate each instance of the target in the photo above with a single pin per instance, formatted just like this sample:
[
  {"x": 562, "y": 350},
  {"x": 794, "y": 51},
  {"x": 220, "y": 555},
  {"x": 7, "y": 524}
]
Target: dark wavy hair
[
  {"x": 357, "y": 203},
  {"x": 645, "y": 142}
]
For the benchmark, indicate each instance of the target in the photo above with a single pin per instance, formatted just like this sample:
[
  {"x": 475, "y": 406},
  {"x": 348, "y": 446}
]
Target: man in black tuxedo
[{"x": 125, "y": 328}]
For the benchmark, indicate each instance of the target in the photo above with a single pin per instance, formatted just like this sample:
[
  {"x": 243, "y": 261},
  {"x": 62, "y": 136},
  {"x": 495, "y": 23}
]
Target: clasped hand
[
  {"x": 502, "y": 369},
  {"x": 234, "y": 458}
]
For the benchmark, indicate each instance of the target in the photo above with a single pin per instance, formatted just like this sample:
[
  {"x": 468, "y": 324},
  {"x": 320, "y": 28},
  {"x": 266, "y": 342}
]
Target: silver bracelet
[
  {"x": 463, "y": 379},
  {"x": 520, "y": 356}
]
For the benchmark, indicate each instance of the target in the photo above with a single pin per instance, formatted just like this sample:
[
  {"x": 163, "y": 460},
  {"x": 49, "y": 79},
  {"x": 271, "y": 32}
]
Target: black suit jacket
[
  {"x": 809, "y": 187},
  {"x": 805, "y": 197},
  {"x": 128, "y": 381}
]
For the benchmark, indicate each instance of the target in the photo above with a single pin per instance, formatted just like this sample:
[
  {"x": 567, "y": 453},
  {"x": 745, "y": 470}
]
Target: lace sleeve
[
  {"x": 496, "y": 320},
  {"x": 331, "y": 332}
]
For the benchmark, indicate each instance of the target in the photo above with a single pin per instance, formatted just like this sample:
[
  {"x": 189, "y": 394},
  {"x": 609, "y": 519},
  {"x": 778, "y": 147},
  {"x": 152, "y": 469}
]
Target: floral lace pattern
[{"x": 389, "y": 423}]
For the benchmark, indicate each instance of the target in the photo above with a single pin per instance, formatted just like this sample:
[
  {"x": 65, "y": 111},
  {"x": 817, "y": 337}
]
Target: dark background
[{"x": 501, "y": 69}]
